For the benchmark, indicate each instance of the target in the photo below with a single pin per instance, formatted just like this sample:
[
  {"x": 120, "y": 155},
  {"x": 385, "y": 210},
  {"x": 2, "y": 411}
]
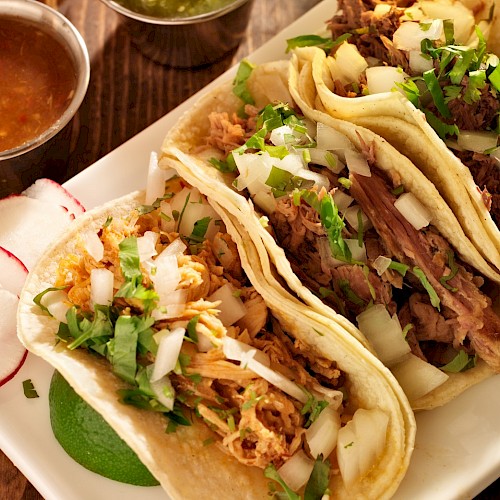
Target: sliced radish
[
  {"x": 51, "y": 192},
  {"x": 13, "y": 352},
  {"x": 14, "y": 272},
  {"x": 29, "y": 226}
]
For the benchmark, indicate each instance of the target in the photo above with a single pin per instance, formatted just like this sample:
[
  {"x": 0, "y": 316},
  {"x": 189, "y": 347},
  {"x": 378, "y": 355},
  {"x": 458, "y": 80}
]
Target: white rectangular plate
[{"x": 457, "y": 451}]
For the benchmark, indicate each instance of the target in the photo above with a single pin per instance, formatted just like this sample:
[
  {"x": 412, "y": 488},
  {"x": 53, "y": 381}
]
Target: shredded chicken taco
[
  {"x": 423, "y": 75},
  {"x": 221, "y": 383},
  {"x": 353, "y": 227}
]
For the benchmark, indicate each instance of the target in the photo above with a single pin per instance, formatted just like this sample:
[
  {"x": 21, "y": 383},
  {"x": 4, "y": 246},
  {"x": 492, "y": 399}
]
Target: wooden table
[{"x": 127, "y": 93}]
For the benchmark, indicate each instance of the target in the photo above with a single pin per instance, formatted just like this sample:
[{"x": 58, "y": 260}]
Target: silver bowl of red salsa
[
  {"x": 44, "y": 77},
  {"x": 184, "y": 33}
]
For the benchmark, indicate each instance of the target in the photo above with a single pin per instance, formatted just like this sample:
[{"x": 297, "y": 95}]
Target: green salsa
[{"x": 174, "y": 8}]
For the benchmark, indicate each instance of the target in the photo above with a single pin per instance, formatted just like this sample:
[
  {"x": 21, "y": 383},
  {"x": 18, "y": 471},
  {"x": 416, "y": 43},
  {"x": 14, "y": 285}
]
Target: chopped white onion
[
  {"x": 237, "y": 351},
  {"x": 357, "y": 163},
  {"x": 333, "y": 397},
  {"x": 477, "y": 141},
  {"x": 166, "y": 276},
  {"x": 155, "y": 183},
  {"x": 57, "y": 304},
  {"x": 321, "y": 436},
  {"x": 381, "y": 264},
  {"x": 254, "y": 170},
  {"x": 350, "y": 63},
  {"x": 319, "y": 180},
  {"x": 177, "y": 247},
  {"x": 167, "y": 220},
  {"x": 266, "y": 201},
  {"x": 101, "y": 286},
  {"x": 277, "y": 379},
  {"x": 496, "y": 156},
  {"x": 192, "y": 210},
  {"x": 380, "y": 79},
  {"x": 382, "y": 9},
  {"x": 327, "y": 138},
  {"x": 204, "y": 344},
  {"x": 164, "y": 392},
  {"x": 342, "y": 200},
  {"x": 384, "y": 333},
  {"x": 146, "y": 245},
  {"x": 296, "y": 471},
  {"x": 419, "y": 64},
  {"x": 351, "y": 215},
  {"x": 409, "y": 35},
  {"x": 413, "y": 211},
  {"x": 463, "y": 18},
  {"x": 231, "y": 307},
  {"x": 326, "y": 159},
  {"x": 360, "y": 442},
  {"x": 94, "y": 245},
  {"x": 417, "y": 377},
  {"x": 169, "y": 348}
]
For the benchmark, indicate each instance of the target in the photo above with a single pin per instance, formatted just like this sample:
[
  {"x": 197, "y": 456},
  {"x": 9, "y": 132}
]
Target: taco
[
  {"x": 335, "y": 234},
  {"x": 430, "y": 87},
  {"x": 218, "y": 383}
]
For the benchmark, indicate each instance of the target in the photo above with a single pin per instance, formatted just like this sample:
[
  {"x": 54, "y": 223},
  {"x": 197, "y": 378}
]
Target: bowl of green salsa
[{"x": 184, "y": 33}]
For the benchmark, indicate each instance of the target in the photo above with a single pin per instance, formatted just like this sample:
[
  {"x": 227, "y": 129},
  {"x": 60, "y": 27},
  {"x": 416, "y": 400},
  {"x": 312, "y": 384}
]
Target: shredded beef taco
[
  {"x": 354, "y": 229},
  {"x": 430, "y": 87},
  {"x": 221, "y": 384}
]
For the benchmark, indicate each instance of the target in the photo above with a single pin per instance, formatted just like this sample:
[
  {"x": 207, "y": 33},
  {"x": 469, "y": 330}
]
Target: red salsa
[{"x": 37, "y": 82}]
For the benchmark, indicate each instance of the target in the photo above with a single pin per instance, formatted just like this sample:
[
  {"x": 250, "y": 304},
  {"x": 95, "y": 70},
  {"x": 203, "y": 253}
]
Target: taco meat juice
[{"x": 37, "y": 82}]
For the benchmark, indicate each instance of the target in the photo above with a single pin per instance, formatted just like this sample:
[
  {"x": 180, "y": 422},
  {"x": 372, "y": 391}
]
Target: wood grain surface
[{"x": 127, "y": 93}]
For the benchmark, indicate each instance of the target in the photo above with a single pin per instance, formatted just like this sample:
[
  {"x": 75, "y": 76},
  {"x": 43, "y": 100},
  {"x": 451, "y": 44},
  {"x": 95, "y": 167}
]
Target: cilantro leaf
[
  {"x": 240, "y": 88},
  {"x": 319, "y": 479},
  {"x": 461, "y": 362},
  {"x": 271, "y": 473},
  {"x": 435, "y": 301}
]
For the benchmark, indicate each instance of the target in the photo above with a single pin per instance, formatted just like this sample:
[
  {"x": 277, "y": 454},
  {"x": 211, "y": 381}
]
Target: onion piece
[
  {"x": 319, "y": 180},
  {"x": 177, "y": 247},
  {"x": 417, "y": 377},
  {"x": 192, "y": 210},
  {"x": 409, "y": 206},
  {"x": 357, "y": 163},
  {"x": 360, "y": 442},
  {"x": 351, "y": 215},
  {"x": 419, "y": 64},
  {"x": 166, "y": 276},
  {"x": 231, "y": 307},
  {"x": 350, "y": 63},
  {"x": 327, "y": 138},
  {"x": 326, "y": 159},
  {"x": 266, "y": 201},
  {"x": 409, "y": 35},
  {"x": 169, "y": 348},
  {"x": 237, "y": 351},
  {"x": 155, "y": 183},
  {"x": 381, "y": 79},
  {"x": 381, "y": 264},
  {"x": 477, "y": 141},
  {"x": 164, "y": 392},
  {"x": 101, "y": 287},
  {"x": 93, "y": 245},
  {"x": 277, "y": 379},
  {"x": 463, "y": 18},
  {"x": 146, "y": 245},
  {"x": 384, "y": 333},
  {"x": 57, "y": 304},
  {"x": 167, "y": 220},
  {"x": 322, "y": 434},
  {"x": 296, "y": 471},
  {"x": 342, "y": 200}
]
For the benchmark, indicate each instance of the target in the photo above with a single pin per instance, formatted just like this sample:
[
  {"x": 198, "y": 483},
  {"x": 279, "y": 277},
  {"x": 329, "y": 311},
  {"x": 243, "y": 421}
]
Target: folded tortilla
[
  {"x": 392, "y": 116},
  {"x": 223, "y": 451},
  {"x": 185, "y": 147}
]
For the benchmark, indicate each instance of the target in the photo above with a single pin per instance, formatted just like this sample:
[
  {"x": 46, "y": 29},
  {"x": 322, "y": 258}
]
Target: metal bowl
[
  {"x": 45, "y": 155},
  {"x": 187, "y": 42}
]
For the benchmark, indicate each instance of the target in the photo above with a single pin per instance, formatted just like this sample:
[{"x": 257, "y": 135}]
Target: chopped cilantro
[
  {"x": 428, "y": 287},
  {"x": 271, "y": 473},
  {"x": 282, "y": 182},
  {"x": 316, "y": 41},
  {"x": 453, "y": 271},
  {"x": 318, "y": 482},
  {"x": 240, "y": 88},
  {"x": 38, "y": 298},
  {"x": 29, "y": 389},
  {"x": 461, "y": 362},
  {"x": 191, "y": 328}
]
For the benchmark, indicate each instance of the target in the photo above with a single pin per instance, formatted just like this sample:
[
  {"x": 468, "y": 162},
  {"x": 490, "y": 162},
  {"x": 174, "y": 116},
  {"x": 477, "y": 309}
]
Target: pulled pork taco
[
  {"x": 219, "y": 383},
  {"x": 354, "y": 229},
  {"x": 430, "y": 87}
]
